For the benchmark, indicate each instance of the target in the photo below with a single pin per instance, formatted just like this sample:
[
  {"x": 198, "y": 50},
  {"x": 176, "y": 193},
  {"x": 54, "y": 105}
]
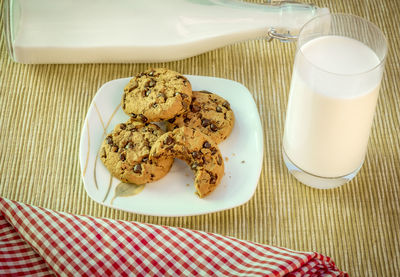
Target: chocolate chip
[
  {"x": 130, "y": 145},
  {"x": 226, "y": 105},
  {"x": 147, "y": 92},
  {"x": 213, "y": 151},
  {"x": 168, "y": 140},
  {"x": 137, "y": 168},
  {"x": 205, "y": 122},
  {"x": 155, "y": 105},
  {"x": 194, "y": 165},
  {"x": 145, "y": 159},
  {"x": 124, "y": 143},
  {"x": 177, "y": 93},
  {"x": 186, "y": 120},
  {"x": 213, "y": 127},
  {"x": 172, "y": 120},
  {"x": 184, "y": 95},
  {"x": 133, "y": 115},
  {"x": 123, "y": 106},
  {"x": 206, "y": 144},
  {"x": 109, "y": 140},
  {"x": 218, "y": 109},
  {"x": 152, "y": 83},
  {"x": 114, "y": 148},
  {"x": 196, "y": 155},
  {"x": 122, "y": 126},
  {"x": 213, "y": 178},
  {"x": 122, "y": 157},
  {"x": 103, "y": 153},
  {"x": 219, "y": 160},
  {"x": 151, "y": 73},
  {"x": 195, "y": 108},
  {"x": 185, "y": 105},
  {"x": 205, "y": 91},
  {"x": 143, "y": 118},
  {"x": 161, "y": 94}
]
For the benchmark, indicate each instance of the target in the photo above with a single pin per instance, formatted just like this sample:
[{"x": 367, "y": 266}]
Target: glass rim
[{"x": 370, "y": 24}]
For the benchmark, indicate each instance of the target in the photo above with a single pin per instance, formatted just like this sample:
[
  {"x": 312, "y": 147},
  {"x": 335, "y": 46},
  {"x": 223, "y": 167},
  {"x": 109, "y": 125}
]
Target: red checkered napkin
[{"x": 41, "y": 242}]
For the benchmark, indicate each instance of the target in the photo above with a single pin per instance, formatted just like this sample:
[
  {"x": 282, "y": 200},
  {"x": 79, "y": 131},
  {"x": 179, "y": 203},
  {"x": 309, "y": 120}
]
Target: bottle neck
[{"x": 280, "y": 20}]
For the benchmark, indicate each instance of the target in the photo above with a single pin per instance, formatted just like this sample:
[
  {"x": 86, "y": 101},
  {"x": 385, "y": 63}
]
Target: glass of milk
[{"x": 334, "y": 89}]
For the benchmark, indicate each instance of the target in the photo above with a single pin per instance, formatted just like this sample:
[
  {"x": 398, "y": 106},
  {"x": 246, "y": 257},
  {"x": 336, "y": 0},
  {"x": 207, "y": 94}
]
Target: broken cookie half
[{"x": 198, "y": 150}]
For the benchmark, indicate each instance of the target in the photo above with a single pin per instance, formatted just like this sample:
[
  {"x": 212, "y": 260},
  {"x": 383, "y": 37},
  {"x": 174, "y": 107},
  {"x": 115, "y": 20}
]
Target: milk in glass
[{"x": 331, "y": 105}]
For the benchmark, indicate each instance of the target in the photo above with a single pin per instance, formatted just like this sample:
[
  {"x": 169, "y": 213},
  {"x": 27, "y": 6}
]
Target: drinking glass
[{"x": 334, "y": 89}]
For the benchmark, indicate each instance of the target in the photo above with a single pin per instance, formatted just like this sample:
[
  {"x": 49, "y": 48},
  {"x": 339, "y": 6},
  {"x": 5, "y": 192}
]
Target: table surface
[{"x": 43, "y": 108}]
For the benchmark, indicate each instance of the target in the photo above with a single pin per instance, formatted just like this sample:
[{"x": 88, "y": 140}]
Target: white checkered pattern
[{"x": 41, "y": 242}]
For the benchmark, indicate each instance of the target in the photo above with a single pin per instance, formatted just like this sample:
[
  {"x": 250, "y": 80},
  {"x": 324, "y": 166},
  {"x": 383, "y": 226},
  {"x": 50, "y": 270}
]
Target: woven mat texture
[{"x": 43, "y": 108}]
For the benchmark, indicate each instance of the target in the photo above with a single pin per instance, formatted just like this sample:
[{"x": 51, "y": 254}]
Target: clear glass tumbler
[{"x": 334, "y": 89}]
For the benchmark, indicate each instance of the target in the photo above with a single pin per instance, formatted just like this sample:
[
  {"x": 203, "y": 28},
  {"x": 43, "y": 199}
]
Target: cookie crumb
[
  {"x": 187, "y": 185},
  {"x": 243, "y": 162},
  {"x": 226, "y": 159},
  {"x": 233, "y": 154}
]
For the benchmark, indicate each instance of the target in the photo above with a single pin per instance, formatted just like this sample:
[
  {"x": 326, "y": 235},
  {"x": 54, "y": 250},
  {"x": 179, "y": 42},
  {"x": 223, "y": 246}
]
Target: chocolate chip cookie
[
  {"x": 125, "y": 153},
  {"x": 198, "y": 150},
  {"x": 208, "y": 112},
  {"x": 156, "y": 95}
]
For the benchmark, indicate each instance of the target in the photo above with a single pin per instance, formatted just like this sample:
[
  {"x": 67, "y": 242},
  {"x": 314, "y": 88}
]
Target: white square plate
[{"x": 174, "y": 195}]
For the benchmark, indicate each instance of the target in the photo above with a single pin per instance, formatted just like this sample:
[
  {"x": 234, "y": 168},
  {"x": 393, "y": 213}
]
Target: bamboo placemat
[{"x": 43, "y": 109}]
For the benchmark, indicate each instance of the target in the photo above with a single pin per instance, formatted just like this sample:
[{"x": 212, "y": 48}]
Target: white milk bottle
[
  {"x": 89, "y": 31},
  {"x": 333, "y": 94}
]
